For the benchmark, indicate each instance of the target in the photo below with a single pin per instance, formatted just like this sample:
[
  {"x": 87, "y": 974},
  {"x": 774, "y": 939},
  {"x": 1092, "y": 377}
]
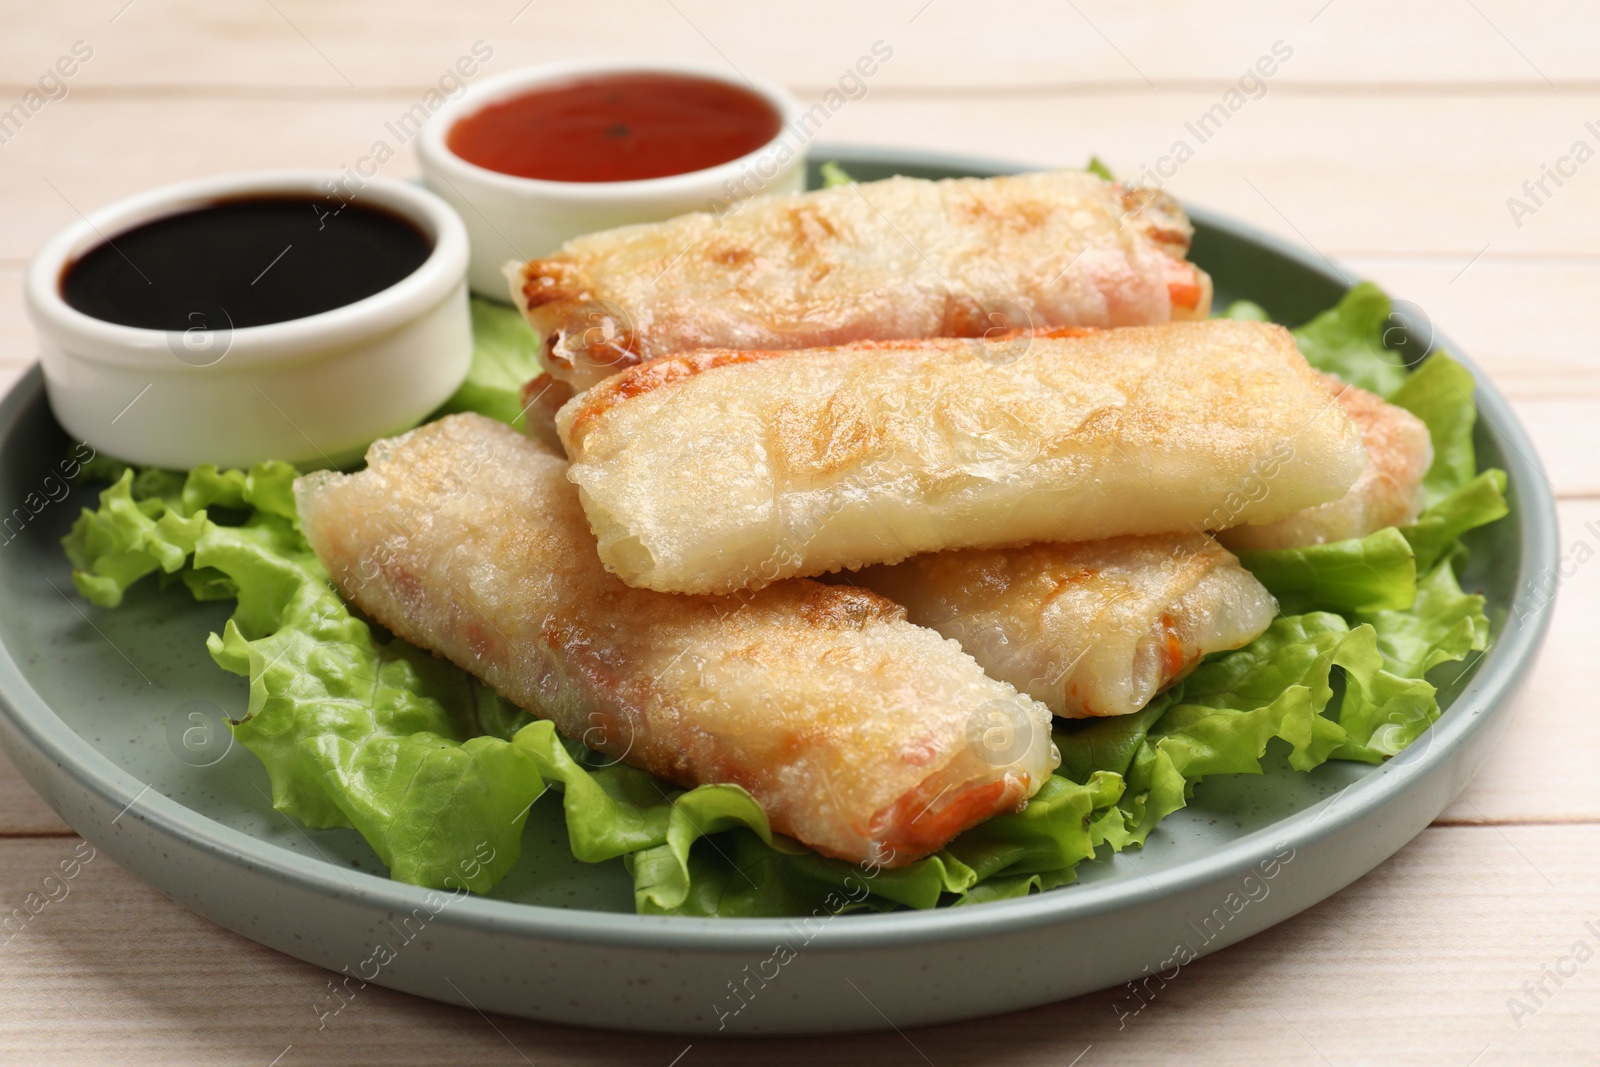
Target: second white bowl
[{"x": 514, "y": 218}]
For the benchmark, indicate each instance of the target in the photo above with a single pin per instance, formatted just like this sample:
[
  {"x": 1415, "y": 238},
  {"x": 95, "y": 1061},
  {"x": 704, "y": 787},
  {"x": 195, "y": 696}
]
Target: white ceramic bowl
[
  {"x": 512, "y": 218},
  {"x": 314, "y": 391}
]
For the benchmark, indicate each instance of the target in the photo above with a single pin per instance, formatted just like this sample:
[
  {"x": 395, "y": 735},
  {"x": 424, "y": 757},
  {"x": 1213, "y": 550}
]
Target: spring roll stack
[{"x": 993, "y": 409}]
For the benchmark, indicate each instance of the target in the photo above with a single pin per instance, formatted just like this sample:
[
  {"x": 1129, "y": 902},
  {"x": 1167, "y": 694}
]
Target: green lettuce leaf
[
  {"x": 1442, "y": 626},
  {"x": 1365, "y": 574},
  {"x": 1437, "y": 531},
  {"x": 1090, "y": 746},
  {"x": 151, "y": 521},
  {"x": 1378, "y": 571},
  {"x": 1348, "y": 340},
  {"x": 504, "y": 359},
  {"x": 1048, "y": 837},
  {"x": 358, "y": 732},
  {"x": 1440, "y": 394},
  {"x": 751, "y": 872},
  {"x": 834, "y": 175},
  {"x": 1245, "y": 311},
  {"x": 1278, "y": 687}
]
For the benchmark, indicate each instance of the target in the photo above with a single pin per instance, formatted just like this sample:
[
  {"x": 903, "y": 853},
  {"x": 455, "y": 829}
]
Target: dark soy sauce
[{"x": 244, "y": 262}]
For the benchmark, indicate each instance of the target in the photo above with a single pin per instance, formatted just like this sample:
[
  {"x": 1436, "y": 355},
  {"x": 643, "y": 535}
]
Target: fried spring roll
[
  {"x": 860, "y": 734},
  {"x": 715, "y": 471},
  {"x": 902, "y": 258},
  {"x": 1388, "y": 493},
  {"x": 1090, "y": 628}
]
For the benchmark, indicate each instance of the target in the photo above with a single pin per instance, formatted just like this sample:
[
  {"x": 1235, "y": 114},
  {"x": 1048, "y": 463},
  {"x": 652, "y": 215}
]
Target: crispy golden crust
[
  {"x": 851, "y": 727},
  {"x": 715, "y": 471},
  {"x": 1388, "y": 493},
  {"x": 892, "y": 259},
  {"x": 1089, "y": 628}
]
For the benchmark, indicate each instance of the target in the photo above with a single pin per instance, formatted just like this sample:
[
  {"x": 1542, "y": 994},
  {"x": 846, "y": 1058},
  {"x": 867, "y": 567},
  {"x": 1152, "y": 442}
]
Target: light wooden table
[{"x": 1390, "y": 139}]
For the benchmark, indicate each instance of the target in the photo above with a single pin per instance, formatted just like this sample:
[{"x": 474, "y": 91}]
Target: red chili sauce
[{"x": 616, "y": 128}]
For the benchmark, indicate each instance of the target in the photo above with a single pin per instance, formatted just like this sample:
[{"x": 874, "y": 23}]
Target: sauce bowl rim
[
  {"x": 435, "y": 153},
  {"x": 97, "y": 340}
]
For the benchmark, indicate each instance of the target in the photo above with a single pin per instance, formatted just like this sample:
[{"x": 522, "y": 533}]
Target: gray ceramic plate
[{"x": 94, "y": 707}]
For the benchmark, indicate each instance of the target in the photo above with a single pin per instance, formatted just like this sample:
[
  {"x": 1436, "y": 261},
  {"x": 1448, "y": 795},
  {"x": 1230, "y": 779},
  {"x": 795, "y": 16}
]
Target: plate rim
[{"x": 1503, "y": 668}]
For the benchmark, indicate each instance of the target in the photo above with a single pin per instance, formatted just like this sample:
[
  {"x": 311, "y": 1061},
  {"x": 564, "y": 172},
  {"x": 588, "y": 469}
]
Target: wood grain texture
[
  {"x": 1413, "y": 964},
  {"x": 22, "y": 812},
  {"x": 945, "y": 46},
  {"x": 1413, "y": 174},
  {"x": 1549, "y": 706},
  {"x": 1530, "y": 323},
  {"x": 1390, "y": 140}
]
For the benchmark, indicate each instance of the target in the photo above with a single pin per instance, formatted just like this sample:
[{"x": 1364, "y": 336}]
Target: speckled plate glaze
[{"x": 95, "y": 706}]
